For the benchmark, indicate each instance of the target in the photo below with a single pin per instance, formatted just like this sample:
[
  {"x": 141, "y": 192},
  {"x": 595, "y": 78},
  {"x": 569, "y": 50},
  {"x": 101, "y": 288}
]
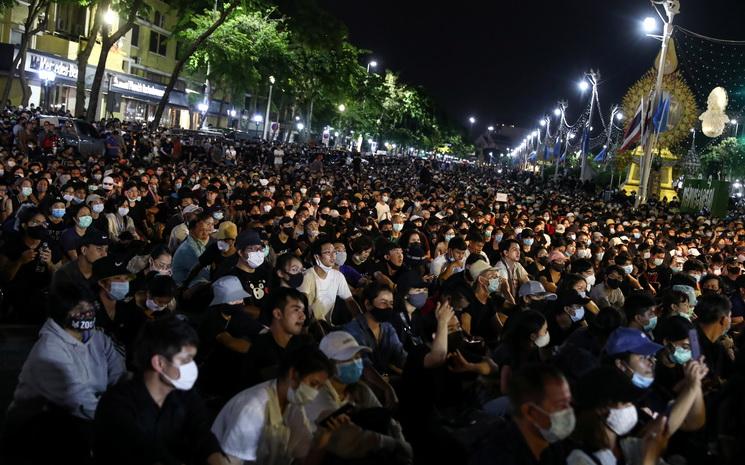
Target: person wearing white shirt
[
  {"x": 266, "y": 424},
  {"x": 451, "y": 262},
  {"x": 381, "y": 206},
  {"x": 510, "y": 270},
  {"x": 323, "y": 283}
]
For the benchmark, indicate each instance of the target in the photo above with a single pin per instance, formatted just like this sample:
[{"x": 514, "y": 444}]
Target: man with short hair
[
  {"x": 510, "y": 270},
  {"x": 323, "y": 283},
  {"x": 714, "y": 320},
  {"x": 93, "y": 246},
  {"x": 451, "y": 262},
  {"x": 640, "y": 312},
  {"x": 252, "y": 270},
  {"x": 156, "y": 417},
  {"x": 288, "y": 314},
  {"x": 542, "y": 418}
]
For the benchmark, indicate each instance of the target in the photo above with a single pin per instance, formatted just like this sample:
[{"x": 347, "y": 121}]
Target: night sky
[{"x": 510, "y": 61}]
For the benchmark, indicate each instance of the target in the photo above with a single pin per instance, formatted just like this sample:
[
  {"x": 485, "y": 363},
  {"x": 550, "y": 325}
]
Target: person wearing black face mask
[
  {"x": 608, "y": 292},
  {"x": 288, "y": 272},
  {"x": 60, "y": 385},
  {"x": 374, "y": 330},
  {"x": 282, "y": 241},
  {"x": 27, "y": 262}
]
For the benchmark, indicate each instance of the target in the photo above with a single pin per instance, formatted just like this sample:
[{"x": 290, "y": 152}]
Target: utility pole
[{"x": 672, "y": 8}]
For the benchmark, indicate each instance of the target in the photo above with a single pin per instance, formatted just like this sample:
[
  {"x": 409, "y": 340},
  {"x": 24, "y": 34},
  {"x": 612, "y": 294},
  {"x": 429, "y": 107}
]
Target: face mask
[
  {"x": 58, "y": 212},
  {"x": 187, "y": 376},
  {"x": 584, "y": 253},
  {"x": 68, "y": 197},
  {"x": 82, "y": 322},
  {"x": 85, "y": 221},
  {"x": 642, "y": 382},
  {"x": 255, "y": 259},
  {"x": 622, "y": 420},
  {"x": 418, "y": 300},
  {"x": 316, "y": 200},
  {"x": 152, "y": 306},
  {"x": 295, "y": 280},
  {"x": 97, "y": 208},
  {"x": 590, "y": 280},
  {"x": 123, "y": 211},
  {"x": 218, "y": 216},
  {"x": 628, "y": 269},
  {"x": 599, "y": 256},
  {"x": 637, "y": 235},
  {"x": 493, "y": 285},
  {"x": 222, "y": 246},
  {"x": 35, "y": 232},
  {"x": 267, "y": 208},
  {"x": 528, "y": 242},
  {"x": 579, "y": 314},
  {"x": 651, "y": 324},
  {"x": 303, "y": 190},
  {"x": 349, "y": 372},
  {"x": 717, "y": 272},
  {"x": 696, "y": 277},
  {"x": 304, "y": 394},
  {"x": 325, "y": 268},
  {"x": 542, "y": 341},
  {"x": 658, "y": 261},
  {"x": 562, "y": 425},
  {"x": 381, "y": 315},
  {"x": 487, "y": 234},
  {"x": 681, "y": 356},
  {"x": 646, "y": 255},
  {"x": 385, "y": 199},
  {"x": 398, "y": 227},
  {"x": 448, "y": 237},
  {"x": 27, "y": 191},
  {"x": 498, "y": 238},
  {"x": 119, "y": 290},
  {"x": 77, "y": 201},
  {"x": 341, "y": 258}
]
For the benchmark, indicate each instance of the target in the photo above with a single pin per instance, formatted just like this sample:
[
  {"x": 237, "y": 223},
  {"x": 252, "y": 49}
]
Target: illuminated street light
[
  {"x": 300, "y": 126},
  {"x": 557, "y": 111},
  {"x": 232, "y": 113},
  {"x": 372, "y": 64},
  {"x": 542, "y": 122},
  {"x": 490, "y": 128},
  {"x": 649, "y": 25},
  {"x": 583, "y": 85},
  {"x": 619, "y": 116},
  {"x": 110, "y": 17},
  {"x": 257, "y": 118},
  {"x": 203, "y": 107},
  {"x": 342, "y": 107},
  {"x": 471, "y": 120}
]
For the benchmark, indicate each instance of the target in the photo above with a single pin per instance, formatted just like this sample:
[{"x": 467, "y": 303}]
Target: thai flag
[{"x": 636, "y": 127}]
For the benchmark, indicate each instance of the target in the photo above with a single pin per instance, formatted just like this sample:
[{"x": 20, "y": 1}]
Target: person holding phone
[{"x": 374, "y": 433}]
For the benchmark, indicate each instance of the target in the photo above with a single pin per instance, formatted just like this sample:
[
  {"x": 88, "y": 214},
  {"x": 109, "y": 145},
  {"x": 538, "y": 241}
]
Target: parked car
[{"x": 77, "y": 133}]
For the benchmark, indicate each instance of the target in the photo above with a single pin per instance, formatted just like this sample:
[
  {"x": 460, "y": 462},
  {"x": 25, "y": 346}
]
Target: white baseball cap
[{"x": 340, "y": 346}]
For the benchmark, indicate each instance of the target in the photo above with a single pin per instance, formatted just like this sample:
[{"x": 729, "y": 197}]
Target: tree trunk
[
  {"x": 84, "y": 55},
  {"x": 310, "y": 117},
  {"x": 108, "y": 41},
  {"x": 34, "y": 9},
  {"x": 189, "y": 52}
]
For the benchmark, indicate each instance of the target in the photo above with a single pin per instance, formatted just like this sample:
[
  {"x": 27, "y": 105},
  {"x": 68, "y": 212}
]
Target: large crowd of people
[{"x": 228, "y": 302}]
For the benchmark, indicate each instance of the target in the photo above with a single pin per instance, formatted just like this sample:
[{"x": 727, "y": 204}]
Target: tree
[
  {"x": 129, "y": 9},
  {"x": 723, "y": 160},
  {"x": 222, "y": 13},
  {"x": 35, "y": 22},
  {"x": 248, "y": 46},
  {"x": 84, "y": 53}
]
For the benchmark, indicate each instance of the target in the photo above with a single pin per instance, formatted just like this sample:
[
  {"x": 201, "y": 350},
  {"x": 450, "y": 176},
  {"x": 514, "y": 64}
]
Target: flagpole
[{"x": 672, "y": 8}]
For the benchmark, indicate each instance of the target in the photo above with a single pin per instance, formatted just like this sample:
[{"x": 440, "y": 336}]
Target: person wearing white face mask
[
  {"x": 604, "y": 404},
  {"x": 542, "y": 417},
  {"x": 157, "y": 409},
  {"x": 267, "y": 424},
  {"x": 252, "y": 270},
  {"x": 323, "y": 283}
]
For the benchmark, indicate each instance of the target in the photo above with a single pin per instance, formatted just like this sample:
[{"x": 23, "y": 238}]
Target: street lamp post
[
  {"x": 371, "y": 64},
  {"x": 593, "y": 77},
  {"x": 672, "y": 8},
  {"x": 559, "y": 111},
  {"x": 471, "y": 120},
  {"x": 268, "y": 106}
]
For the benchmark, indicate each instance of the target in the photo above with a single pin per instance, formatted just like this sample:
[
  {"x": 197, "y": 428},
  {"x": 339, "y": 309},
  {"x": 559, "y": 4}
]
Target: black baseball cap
[
  {"x": 109, "y": 266},
  {"x": 94, "y": 237}
]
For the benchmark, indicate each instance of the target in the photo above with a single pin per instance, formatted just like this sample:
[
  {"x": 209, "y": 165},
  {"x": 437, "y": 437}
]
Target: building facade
[{"x": 138, "y": 66}]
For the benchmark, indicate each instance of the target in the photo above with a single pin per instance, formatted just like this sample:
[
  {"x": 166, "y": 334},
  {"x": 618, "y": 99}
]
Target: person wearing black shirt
[
  {"x": 288, "y": 317},
  {"x": 156, "y": 417},
  {"x": 251, "y": 269},
  {"x": 538, "y": 394},
  {"x": 713, "y": 322},
  {"x": 94, "y": 245},
  {"x": 282, "y": 241}
]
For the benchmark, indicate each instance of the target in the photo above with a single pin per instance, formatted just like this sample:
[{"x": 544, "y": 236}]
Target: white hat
[
  {"x": 694, "y": 252},
  {"x": 478, "y": 268},
  {"x": 228, "y": 289},
  {"x": 341, "y": 346},
  {"x": 191, "y": 209}
]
